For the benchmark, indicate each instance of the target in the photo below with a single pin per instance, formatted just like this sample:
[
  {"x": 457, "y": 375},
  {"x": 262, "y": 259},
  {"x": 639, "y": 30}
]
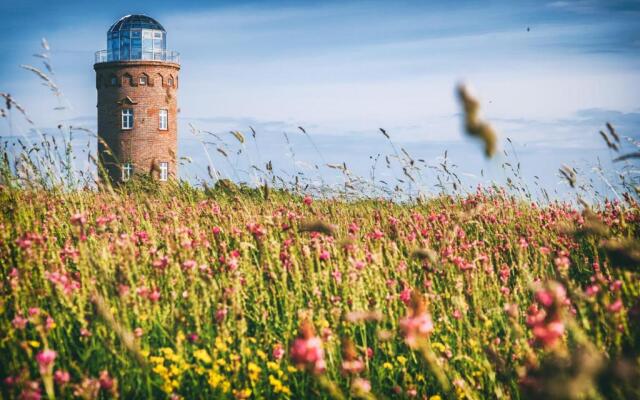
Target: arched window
[
  {"x": 127, "y": 79},
  {"x": 160, "y": 79},
  {"x": 113, "y": 80},
  {"x": 143, "y": 80},
  {"x": 170, "y": 81}
]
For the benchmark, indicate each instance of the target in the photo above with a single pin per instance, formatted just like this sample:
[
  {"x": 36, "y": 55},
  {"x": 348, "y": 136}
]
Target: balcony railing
[{"x": 165, "y": 55}]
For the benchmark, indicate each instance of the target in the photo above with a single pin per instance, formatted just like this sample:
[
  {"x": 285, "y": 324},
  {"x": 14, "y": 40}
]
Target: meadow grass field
[
  {"x": 181, "y": 292},
  {"x": 272, "y": 290}
]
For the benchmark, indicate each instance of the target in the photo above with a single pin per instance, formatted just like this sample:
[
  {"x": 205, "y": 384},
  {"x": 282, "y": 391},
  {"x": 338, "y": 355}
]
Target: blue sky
[{"x": 548, "y": 75}]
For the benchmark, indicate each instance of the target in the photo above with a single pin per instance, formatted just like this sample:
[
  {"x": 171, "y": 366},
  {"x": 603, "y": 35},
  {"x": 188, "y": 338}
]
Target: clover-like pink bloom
[
  {"x": 325, "y": 255},
  {"x": 547, "y": 334},
  {"x": 546, "y": 322},
  {"x": 61, "y": 377},
  {"x": 45, "y": 360},
  {"x": 306, "y": 350},
  {"x": 19, "y": 322},
  {"x": 615, "y": 307},
  {"x": 277, "y": 352},
  {"x": 417, "y": 325},
  {"x": 78, "y": 219}
]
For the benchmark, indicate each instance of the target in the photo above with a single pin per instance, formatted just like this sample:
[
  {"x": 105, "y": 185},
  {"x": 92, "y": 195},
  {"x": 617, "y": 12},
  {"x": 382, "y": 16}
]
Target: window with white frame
[
  {"x": 127, "y": 118},
  {"x": 170, "y": 81},
  {"x": 143, "y": 80},
  {"x": 127, "y": 171},
  {"x": 164, "y": 171},
  {"x": 164, "y": 120}
]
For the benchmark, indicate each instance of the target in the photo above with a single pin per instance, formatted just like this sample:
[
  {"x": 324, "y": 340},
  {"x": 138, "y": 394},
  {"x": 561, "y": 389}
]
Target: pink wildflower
[
  {"x": 161, "y": 263},
  {"x": 325, "y": 255},
  {"x": 189, "y": 265},
  {"x": 78, "y": 219},
  {"x": 221, "y": 314},
  {"x": 61, "y": 377},
  {"x": 306, "y": 350},
  {"x": 154, "y": 296},
  {"x": 19, "y": 322},
  {"x": 277, "y": 352},
  {"x": 546, "y": 323},
  {"x": 417, "y": 325},
  {"x": 45, "y": 360},
  {"x": 615, "y": 307}
]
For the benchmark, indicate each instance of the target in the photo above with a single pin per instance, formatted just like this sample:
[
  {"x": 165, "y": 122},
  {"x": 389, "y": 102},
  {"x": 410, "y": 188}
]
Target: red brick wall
[{"x": 145, "y": 145}]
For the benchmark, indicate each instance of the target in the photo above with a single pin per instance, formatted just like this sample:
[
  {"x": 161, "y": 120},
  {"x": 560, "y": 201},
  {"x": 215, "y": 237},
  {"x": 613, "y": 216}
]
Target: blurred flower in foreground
[
  {"x": 417, "y": 325},
  {"x": 546, "y": 322},
  {"x": 306, "y": 350}
]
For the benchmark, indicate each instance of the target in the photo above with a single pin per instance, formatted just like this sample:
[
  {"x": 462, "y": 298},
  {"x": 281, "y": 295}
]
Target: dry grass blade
[
  {"x": 569, "y": 174},
  {"x": 425, "y": 254},
  {"x": 623, "y": 253},
  {"x": 363, "y": 315},
  {"x": 10, "y": 102},
  {"x": 384, "y": 133},
  {"x": 224, "y": 153},
  {"x": 609, "y": 143},
  {"x": 613, "y": 132},
  {"x": 474, "y": 125},
  {"x": 627, "y": 156},
  {"x": 44, "y": 77},
  {"x": 238, "y": 136},
  {"x": 317, "y": 226},
  {"x": 126, "y": 336}
]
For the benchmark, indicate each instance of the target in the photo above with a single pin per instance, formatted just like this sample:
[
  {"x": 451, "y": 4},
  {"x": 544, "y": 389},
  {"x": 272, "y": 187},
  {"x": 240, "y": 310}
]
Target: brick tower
[{"x": 137, "y": 82}]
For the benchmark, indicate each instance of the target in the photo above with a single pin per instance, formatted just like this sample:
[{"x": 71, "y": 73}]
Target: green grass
[{"x": 228, "y": 299}]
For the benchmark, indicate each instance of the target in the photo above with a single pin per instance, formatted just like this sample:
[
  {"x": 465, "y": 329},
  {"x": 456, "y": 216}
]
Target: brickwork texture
[{"x": 145, "y": 145}]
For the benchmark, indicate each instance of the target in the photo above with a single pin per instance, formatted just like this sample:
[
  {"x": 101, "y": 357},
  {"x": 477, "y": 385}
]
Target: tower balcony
[{"x": 171, "y": 56}]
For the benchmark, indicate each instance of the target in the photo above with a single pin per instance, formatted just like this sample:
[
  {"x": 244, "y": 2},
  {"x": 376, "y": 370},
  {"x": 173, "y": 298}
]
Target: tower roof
[{"x": 135, "y": 21}]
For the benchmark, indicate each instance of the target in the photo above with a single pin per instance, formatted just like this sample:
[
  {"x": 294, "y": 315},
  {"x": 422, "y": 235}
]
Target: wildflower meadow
[
  {"x": 224, "y": 290},
  {"x": 178, "y": 292}
]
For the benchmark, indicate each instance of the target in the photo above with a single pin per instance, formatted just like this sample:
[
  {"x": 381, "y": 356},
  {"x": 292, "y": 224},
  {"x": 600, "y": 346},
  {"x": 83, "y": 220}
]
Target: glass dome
[{"x": 136, "y": 37}]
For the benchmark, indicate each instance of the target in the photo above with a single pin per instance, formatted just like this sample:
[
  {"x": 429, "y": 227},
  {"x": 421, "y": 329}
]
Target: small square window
[
  {"x": 114, "y": 81},
  {"x": 127, "y": 171},
  {"x": 164, "y": 171},
  {"x": 170, "y": 82},
  {"x": 127, "y": 118},
  {"x": 164, "y": 120},
  {"x": 142, "y": 80}
]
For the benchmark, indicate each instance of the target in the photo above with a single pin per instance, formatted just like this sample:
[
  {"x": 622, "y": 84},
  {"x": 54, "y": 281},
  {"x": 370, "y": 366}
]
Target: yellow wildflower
[
  {"x": 438, "y": 346},
  {"x": 202, "y": 355},
  {"x": 276, "y": 384},
  {"x": 387, "y": 365},
  {"x": 219, "y": 344},
  {"x": 242, "y": 394},
  {"x": 402, "y": 360},
  {"x": 254, "y": 371}
]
